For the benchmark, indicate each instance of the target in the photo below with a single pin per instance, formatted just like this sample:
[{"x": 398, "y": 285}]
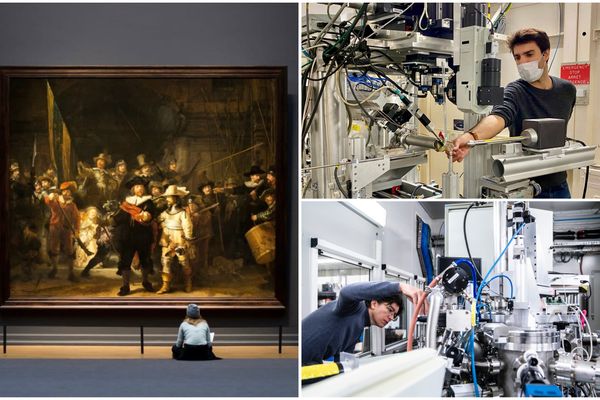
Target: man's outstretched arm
[{"x": 487, "y": 128}]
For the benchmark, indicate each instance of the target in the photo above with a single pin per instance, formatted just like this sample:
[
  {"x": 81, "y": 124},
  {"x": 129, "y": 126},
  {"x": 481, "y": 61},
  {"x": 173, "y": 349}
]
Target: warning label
[{"x": 578, "y": 74}]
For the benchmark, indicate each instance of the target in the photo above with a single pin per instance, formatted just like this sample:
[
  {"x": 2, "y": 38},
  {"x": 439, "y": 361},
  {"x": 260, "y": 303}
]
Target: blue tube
[
  {"x": 475, "y": 385},
  {"x": 507, "y": 278},
  {"x": 473, "y": 272},
  {"x": 483, "y": 282}
]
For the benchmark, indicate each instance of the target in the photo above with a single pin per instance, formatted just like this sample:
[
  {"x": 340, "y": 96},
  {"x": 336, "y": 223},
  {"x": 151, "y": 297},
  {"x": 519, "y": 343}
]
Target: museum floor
[
  {"x": 133, "y": 352},
  {"x": 119, "y": 371}
]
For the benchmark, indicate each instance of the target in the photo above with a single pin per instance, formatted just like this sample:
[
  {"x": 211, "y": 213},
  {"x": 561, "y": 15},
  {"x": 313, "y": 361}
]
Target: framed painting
[{"x": 143, "y": 187}]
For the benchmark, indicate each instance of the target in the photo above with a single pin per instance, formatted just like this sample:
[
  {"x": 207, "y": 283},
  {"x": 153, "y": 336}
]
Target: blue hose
[
  {"x": 507, "y": 278},
  {"x": 475, "y": 385}
]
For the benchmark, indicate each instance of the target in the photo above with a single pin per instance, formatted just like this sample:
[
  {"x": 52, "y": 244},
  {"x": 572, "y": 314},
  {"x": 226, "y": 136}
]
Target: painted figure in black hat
[
  {"x": 272, "y": 178},
  {"x": 256, "y": 184},
  {"x": 214, "y": 202},
  {"x": 134, "y": 221},
  {"x": 147, "y": 169}
]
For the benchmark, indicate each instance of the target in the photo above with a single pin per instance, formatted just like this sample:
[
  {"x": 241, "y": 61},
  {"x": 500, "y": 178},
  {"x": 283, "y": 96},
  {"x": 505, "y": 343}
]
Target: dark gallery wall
[{"x": 165, "y": 34}]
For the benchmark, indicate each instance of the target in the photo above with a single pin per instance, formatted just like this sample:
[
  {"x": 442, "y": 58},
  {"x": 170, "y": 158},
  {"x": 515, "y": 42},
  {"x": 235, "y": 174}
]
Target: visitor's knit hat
[{"x": 193, "y": 311}]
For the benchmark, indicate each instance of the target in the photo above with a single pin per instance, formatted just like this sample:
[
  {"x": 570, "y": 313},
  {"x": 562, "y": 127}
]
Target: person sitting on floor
[{"x": 193, "y": 339}]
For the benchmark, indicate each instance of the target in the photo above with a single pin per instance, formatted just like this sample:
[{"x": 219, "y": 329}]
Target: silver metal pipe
[
  {"x": 522, "y": 167},
  {"x": 423, "y": 141},
  {"x": 568, "y": 371},
  {"x": 496, "y": 140},
  {"x": 435, "y": 303}
]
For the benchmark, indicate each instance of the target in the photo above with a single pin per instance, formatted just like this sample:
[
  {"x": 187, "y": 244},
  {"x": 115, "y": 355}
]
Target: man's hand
[
  {"x": 461, "y": 148},
  {"x": 412, "y": 293}
]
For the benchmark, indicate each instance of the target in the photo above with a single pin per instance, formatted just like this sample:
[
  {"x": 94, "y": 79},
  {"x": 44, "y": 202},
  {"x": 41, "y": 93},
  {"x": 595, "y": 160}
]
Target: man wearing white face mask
[{"x": 535, "y": 95}]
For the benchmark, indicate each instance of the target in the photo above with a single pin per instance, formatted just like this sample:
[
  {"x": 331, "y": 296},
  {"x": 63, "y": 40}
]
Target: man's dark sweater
[
  {"x": 336, "y": 327},
  {"x": 523, "y": 101}
]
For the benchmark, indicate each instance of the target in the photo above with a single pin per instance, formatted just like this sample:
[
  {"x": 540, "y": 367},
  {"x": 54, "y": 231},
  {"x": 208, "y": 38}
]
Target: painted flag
[{"x": 59, "y": 139}]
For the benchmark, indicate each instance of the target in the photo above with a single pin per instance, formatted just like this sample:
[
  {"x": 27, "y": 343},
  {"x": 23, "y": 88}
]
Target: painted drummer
[
  {"x": 268, "y": 197},
  {"x": 264, "y": 217}
]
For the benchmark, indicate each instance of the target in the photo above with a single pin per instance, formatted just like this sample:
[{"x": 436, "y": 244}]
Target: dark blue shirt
[
  {"x": 336, "y": 327},
  {"x": 524, "y": 101}
]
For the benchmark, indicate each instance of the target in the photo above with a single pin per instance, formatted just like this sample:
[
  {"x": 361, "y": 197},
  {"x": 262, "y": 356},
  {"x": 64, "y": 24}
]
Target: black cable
[
  {"x": 467, "y": 241},
  {"x": 364, "y": 28},
  {"x": 585, "y": 185},
  {"x": 587, "y": 168},
  {"x": 486, "y": 17},
  {"x": 412, "y": 194},
  {"x": 380, "y": 112},
  {"x": 338, "y": 183},
  {"x": 383, "y": 76},
  {"x": 343, "y": 41},
  {"x": 398, "y": 86},
  {"x": 400, "y": 69},
  {"x": 581, "y": 142},
  {"x": 318, "y": 99},
  {"x": 326, "y": 75}
]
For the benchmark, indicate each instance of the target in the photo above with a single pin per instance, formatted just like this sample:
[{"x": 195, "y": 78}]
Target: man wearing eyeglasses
[{"x": 337, "y": 326}]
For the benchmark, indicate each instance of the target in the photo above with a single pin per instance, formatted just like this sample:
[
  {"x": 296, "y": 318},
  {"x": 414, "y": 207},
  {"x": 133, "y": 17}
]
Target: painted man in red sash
[{"x": 134, "y": 221}]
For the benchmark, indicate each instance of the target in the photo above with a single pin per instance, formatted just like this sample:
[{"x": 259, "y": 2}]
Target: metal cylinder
[
  {"x": 530, "y": 137},
  {"x": 538, "y": 340},
  {"x": 568, "y": 371},
  {"x": 523, "y": 167},
  {"x": 435, "y": 303},
  {"x": 541, "y": 341},
  {"x": 423, "y": 141}
]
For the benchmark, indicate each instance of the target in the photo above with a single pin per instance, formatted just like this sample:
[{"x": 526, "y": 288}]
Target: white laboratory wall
[
  {"x": 544, "y": 16},
  {"x": 335, "y": 223},
  {"x": 481, "y": 234},
  {"x": 399, "y": 247}
]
